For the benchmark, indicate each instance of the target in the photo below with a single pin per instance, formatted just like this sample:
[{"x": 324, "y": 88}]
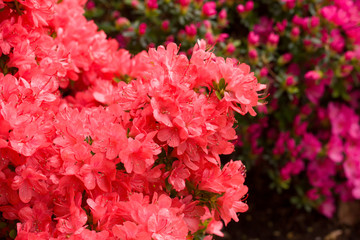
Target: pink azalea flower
[
  {"x": 178, "y": 176},
  {"x": 139, "y": 154},
  {"x": 98, "y": 171},
  {"x": 74, "y": 221},
  {"x": 230, "y": 204},
  {"x": 29, "y": 182}
]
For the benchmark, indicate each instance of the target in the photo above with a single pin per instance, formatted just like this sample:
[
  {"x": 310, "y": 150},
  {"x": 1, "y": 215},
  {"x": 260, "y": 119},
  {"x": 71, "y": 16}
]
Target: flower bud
[
  {"x": 289, "y": 4},
  {"x": 345, "y": 70},
  {"x": 190, "y": 31},
  {"x": 207, "y": 24},
  {"x": 253, "y": 39},
  {"x": 290, "y": 81},
  {"x": 152, "y": 4},
  {"x": 295, "y": 32},
  {"x": 223, "y": 14},
  {"x": 314, "y": 21},
  {"x": 142, "y": 28},
  {"x": 272, "y": 41},
  {"x": 253, "y": 55},
  {"x": 264, "y": 72},
  {"x": 90, "y": 5},
  {"x": 222, "y": 37},
  {"x": 284, "y": 59},
  {"x": 122, "y": 22},
  {"x": 313, "y": 75},
  {"x": 209, "y": 38},
  {"x": 280, "y": 26},
  {"x": 230, "y": 48},
  {"x": 184, "y": 3},
  {"x": 240, "y": 8},
  {"x": 165, "y": 25},
  {"x": 209, "y": 9},
  {"x": 349, "y": 55},
  {"x": 134, "y": 3},
  {"x": 222, "y": 18},
  {"x": 249, "y": 6},
  {"x": 309, "y": 46}
]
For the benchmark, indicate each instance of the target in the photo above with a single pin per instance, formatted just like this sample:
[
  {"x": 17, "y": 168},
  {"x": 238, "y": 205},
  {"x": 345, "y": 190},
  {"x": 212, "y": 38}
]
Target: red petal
[{"x": 25, "y": 193}]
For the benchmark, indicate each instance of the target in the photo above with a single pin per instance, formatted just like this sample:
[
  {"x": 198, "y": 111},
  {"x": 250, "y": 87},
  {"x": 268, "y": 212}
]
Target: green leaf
[
  {"x": 128, "y": 34},
  {"x": 278, "y": 93},
  {"x": 218, "y": 94},
  {"x": 13, "y": 233},
  {"x": 222, "y": 84},
  {"x": 215, "y": 85}
]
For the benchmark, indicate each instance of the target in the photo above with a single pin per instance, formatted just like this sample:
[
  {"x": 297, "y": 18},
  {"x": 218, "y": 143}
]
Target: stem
[{"x": 18, "y": 8}]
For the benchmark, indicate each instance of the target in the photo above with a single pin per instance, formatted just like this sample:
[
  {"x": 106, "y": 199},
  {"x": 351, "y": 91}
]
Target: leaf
[
  {"x": 13, "y": 233},
  {"x": 128, "y": 34},
  {"x": 278, "y": 93},
  {"x": 218, "y": 94},
  {"x": 222, "y": 84},
  {"x": 215, "y": 85},
  {"x": 182, "y": 20},
  {"x": 312, "y": 9}
]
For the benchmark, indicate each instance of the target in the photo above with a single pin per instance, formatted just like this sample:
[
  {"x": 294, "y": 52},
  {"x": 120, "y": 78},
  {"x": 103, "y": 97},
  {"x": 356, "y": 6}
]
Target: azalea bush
[
  {"x": 137, "y": 25},
  {"x": 307, "y": 52},
  {"x": 98, "y": 144}
]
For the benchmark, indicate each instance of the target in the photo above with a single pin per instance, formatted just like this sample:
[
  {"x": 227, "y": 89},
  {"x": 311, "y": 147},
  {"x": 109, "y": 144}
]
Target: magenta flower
[
  {"x": 264, "y": 72},
  {"x": 165, "y": 25},
  {"x": 280, "y": 26},
  {"x": 253, "y": 54},
  {"x": 264, "y": 28},
  {"x": 190, "y": 31},
  {"x": 209, "y": 9},
  {"x": 152, "y": 4},
  {"x": 142, "y": 28},
  {"x": 184, "y": 3},
  {"x": 313, "y": 75},
  {"x": 273, "y": 39},
  {"x": 290, "y": 4},
  {"x": 295, "y": 32},
  {"x": 290, "y": 81},
  {"x": 222, "y": 14},
  {"x": 249, "y": 5},
  {"x": 253, "y": 39},
  {"x": 240, "y": 8},
  {"x": 230, "y": 48}
]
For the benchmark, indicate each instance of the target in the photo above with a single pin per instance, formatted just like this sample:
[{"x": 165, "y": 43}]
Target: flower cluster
[
  {"x": 306, "y": 51},
  {"x": 96, "y": 144}
]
